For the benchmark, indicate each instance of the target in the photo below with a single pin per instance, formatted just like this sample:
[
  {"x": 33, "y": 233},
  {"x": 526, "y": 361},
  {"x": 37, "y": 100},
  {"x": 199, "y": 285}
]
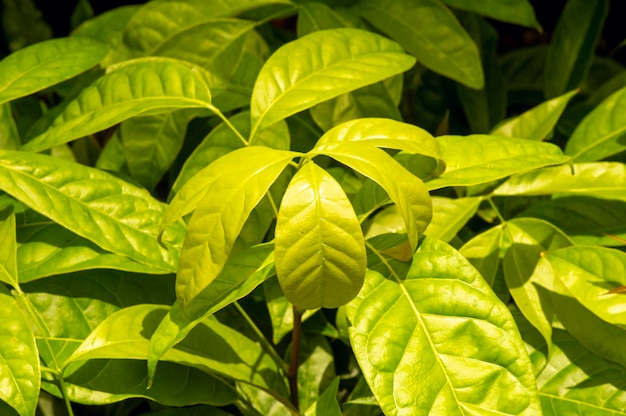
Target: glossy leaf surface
[
  {"x": 47, "y": 63},
  {"x": 293, "y": 78},
  {"x": 222, "y": 213},
  {"x": 19, "y": 371},
  {"x": 471, "y": 160},
  {"x": 112, "y": 213},
  {"x": 406, "y": 332},
  {"x": 130, "y": 89},
  {"x": 428, "y": 30},
  {"x": 320, "y": 250},
  {"x": 519, "y": 12}
]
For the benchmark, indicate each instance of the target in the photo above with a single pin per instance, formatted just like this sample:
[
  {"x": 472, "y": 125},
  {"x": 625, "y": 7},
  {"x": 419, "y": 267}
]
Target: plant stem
[
  {"x": 229, "y": 124},
  {"x": 292, "y": 373}
]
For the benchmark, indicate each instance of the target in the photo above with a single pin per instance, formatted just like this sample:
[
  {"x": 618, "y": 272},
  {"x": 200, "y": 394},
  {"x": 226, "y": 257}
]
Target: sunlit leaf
[
  {"x": 8, "y": 257},
  {"x": 476, "y": 159},
  {"x": 483, "y": 252},
  {"x": 327, "y": 404},
  {"x": 428, "y": 30},
  {"x": 223, "y": 209},
  {"x": 438, "y": 340},
  {"x": 536, "y": 123},
  {"x": 46, "y": 63},
  {"x": 108, "y": 211},
  {"x": 296, "y": 76},
  {"x": 19, "y": 369},
  {"x": 519, "y": 12},
  {"x": 148, "y": 85},
  {"x": 450, "y": 215},
  {"x": 9, "y": 136},
  {"x": 320, "y": 251}
]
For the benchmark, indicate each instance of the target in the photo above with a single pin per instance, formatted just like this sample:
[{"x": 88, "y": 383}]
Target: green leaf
[
  {"x": 519, "y": 12},
  {"x": 536, "y": 123},
  {"x": 151, "y": 144},
  {"x": 23, "y": 24},
  {"x": 316, "y": 369},
  {"x": 438, "y": 340},
  {"x": 383, "y": 133},
  {"x": 483, "y": 252},
  {"x": 405, "y": 190},
  {"x": 601, "y": 133},
  {"x": 450, "y": 215},
  {"x": 476, "y": 159},
  {"x": 327, "y": 404},
  {"x": 429, "y": 31},
  {"x": 107, "y": 27},
  {"x": 320, "y": 251},
  {"x": 314, "y": 16},
  {"x": 605, "y": 180},
  {"x": 45, "y": 64},
  {"x": 589, "y": 272},
  {"x": 573, "y": 44},
  {"x": 211, "y": 347},
  {"x": 139, "y": 87},
  {"x": 294, "y": 77},
  {"x": 9, "y": 136},
  {"x": 117, "y": 216},
  {"x": 577, "y": 381},
  {"x": 8, "y": 261},
  {"x": 223, "y": 208},
  {"x": 19, "y": 372}
]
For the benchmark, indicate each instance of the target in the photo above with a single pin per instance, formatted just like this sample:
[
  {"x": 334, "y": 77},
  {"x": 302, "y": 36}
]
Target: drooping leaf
[
  {"x": 19, "y": 372},
  {"x": 293, "y": 78},
  {"x": 223, "y": 209},
  {"x": 320, "y": 250},
  {"x": 8, "y": 260},
  {"x": 476, "y": 159},
  {"x": 139, "y": 87},
  {"x": 589, "y": 272},
  {"x": 405, "y": 190},
  {"x": 573, "y": 44},
  {"x": 327, "y": 404},
  {"x": 108, "y": 211},
  {"x": 428, "y": 30},
  {"x": 605, "y": 180},
  {"x": 519, "y": 12},
  {"x": 424, "y": 347},
  {"x": 601, "y": 133},
  {"x": 536, "y": 123},
  {"x": 46, "y": 63},
  {"x": 450, "y": 215}
]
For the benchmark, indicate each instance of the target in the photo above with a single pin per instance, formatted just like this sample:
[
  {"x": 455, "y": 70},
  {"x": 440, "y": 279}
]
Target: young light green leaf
[
  {"x": 223, "y": 208},
  {"x": 139, "y": 87},
  {"x": 519, "y": 12},
  {"x": 320, "y": 251},
  {"x": 296, "y": 76},
  {"x": 589, "y": 272},
  {"x": 326, "y": 404},
  {"x": 601, "y": 180},
  {"x": 405, "y": 190},
  {"x": 117, "y": 216},
  {"x": 8, "y": 257},
  {"x": 407, "y": 331},
  {"x": 601, "y": 133},
  {"x": 428, "y": 30},
  {"x": 19, "y": 372},
  {"x": 380, "y": 132},
  {"x": 536, "y": 123},
  {"x": 476, "y": 159},
  {"x": 46, "y": 63},
  {"x": 450, "y": 215},
  {"x": 573, "y": 44},
  {"x": 483, "y": 252},
  {"x": 151, "y": 144}
]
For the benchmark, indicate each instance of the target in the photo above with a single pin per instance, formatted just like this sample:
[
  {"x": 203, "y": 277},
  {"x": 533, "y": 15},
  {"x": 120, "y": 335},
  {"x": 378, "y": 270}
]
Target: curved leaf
[
  {"x": 519, "y": 12},
  {"x": 326, "y": 404},
  {"x": 148, "y": 85},
  {"x": 589, "y": 273},
  {"x": 320, "y": 251},
  {"x": 429, "y": 31},
  {"x": 438, "y": 340},
  {"x": 46, "y": 63},
  {"x": 601, "y": 180},
  {"x": 602, "y": 132},
  {"x": 8, "y": 260},
  {"x": 405, "y": 190},
  {"x": 9, "y": 136},
  {"x": 223, "y": 208},
  {"x": 19, "y": 369},
  {"x": 536, "y": 123},
  {"x": 450, "y": 215},
  {"x": 297, "y": 75},
  {"x": 476, "y": 159},
  {"x": 112, "y": 213}
]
